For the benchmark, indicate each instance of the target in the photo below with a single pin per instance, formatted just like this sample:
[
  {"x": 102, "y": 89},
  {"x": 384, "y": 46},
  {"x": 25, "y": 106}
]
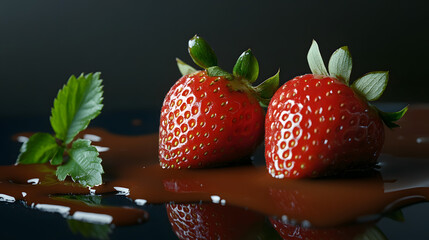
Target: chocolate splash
[{"x": 132, "y": 169}]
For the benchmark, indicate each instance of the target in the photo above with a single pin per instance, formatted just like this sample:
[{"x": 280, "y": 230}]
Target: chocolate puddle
[{"x": 132, "y": 169}]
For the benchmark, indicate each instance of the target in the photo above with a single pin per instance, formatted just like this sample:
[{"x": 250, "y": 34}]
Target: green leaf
[
  {"x": 390, "y": 117},
  {"x": 58, "y": 157},
  {"x": 184, "y": 68},
  {"x": 40, "y": 148},
  {"x": 76, "y": 105},
  {"x": 219, "y": 72},
  {"x": 267, "y": 88},
  {"x": 371, "y": 85},
  {"x": 340, "y": 64},
  {"x": 315, "y": 60},
  {"x": 84, "y": 165},
  {"x": 201, "y": 52},
  {"x": 90, "y": 230},
  {"x": 247, "y": 66},
  {"x": 90, "y": 200}
]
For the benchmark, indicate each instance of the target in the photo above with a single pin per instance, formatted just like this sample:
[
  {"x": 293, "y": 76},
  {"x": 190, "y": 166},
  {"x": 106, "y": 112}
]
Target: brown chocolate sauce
[{"x": 132, "y": 169}]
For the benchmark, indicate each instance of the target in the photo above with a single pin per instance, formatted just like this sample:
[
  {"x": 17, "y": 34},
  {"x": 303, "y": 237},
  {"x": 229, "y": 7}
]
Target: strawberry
[
  {"x": 211, "y": 117},
  {"x": 214, "y": 221},
  {"x": 357, "y": 231},
  {"x": 318, "y": 125}
]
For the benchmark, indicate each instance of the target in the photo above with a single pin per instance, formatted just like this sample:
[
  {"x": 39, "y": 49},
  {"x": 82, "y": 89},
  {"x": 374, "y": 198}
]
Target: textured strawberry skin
[
  {"x": 316, "y": 126},
  {"x": 204, "y": 123},
  {"x": 211, "y": 221}
]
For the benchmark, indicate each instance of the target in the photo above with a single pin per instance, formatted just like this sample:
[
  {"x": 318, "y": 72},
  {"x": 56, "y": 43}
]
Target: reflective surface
[{"x": 136, "y": 190}]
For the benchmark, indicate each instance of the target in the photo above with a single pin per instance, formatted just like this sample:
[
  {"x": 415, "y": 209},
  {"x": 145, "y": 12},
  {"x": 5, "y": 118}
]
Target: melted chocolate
[{"x": 132, "y": 169}]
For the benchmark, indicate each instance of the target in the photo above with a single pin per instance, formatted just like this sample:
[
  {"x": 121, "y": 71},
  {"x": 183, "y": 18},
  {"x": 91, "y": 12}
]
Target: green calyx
[
  {"x": 389, "y": 118},
  {"x": 184, "y": 68},
  {"x": 267, "y": 89},
  {"x": 201, "y": 52},
  {"x": 216, "y": 71},
  {"x": 245, "y": 71},
  {"x": 246, "y": 66},
  {"x": 370, "y": 86}
]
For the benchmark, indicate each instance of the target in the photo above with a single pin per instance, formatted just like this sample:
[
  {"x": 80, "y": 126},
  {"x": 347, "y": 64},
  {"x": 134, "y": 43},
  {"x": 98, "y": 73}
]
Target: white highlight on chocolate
[
  {"x": 91, "y": 191},
  {"x": 33, "y": 181},
  {"x": 63, "y": 210},
  {"x": 92, "y": 137},
  {"x": 92, "y": 217},
  {"x": 6, "y": 198},
  {"x": 122, "y": 191},
  {"x": 140, "y": 202},
  {"x": 215, "y": 198},
  {"x": 102, "y": 149}
]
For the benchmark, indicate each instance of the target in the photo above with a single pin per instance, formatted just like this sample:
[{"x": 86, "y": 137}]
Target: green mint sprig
[{"x": 76, "y": 104}]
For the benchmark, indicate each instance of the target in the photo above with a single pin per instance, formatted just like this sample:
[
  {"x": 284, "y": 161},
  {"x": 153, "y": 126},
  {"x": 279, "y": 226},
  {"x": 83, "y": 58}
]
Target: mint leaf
[
  {"x": 84, "y": 164},
  {"x": 184, "y": 68},
  {"x": 340, "y": 64},
  {"x": 58, "y": 158},
  {"x": 76, "y": 105},
  {"x": 315, "y": 60},
  {"x": 219, "y": 72},
  {"x": 90, "y": 230},
  {"x": 90, "y": 200},
  {"x": 371, "y": 85},
  {"x": 247, "y": 66},
  {"x": 40, "y": 148}
]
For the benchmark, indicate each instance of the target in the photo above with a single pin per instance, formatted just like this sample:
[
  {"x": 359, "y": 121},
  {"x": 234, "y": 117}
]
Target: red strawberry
[
  {"x": 211, "y": 117},
  {"x": 213, "y": 221},
  {"x": 317, "y": 125},
  {"x": 357, "y": 231}
]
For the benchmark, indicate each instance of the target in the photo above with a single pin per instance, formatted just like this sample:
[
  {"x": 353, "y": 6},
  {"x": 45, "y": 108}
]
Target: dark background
[{"x": 134, "y": 44}]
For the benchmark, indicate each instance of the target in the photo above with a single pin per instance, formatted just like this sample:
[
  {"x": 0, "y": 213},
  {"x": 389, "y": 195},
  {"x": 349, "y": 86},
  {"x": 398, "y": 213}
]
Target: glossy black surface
[{"x": 21, "y": 222}]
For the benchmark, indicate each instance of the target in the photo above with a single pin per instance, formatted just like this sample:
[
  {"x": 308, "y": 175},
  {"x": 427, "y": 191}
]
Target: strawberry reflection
[
  {"x": 330, "y": 202},
  {"x": 356, "y": 231},
  {"x": 214, "y": 221},
  {"x": 322, "y": 202}
]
